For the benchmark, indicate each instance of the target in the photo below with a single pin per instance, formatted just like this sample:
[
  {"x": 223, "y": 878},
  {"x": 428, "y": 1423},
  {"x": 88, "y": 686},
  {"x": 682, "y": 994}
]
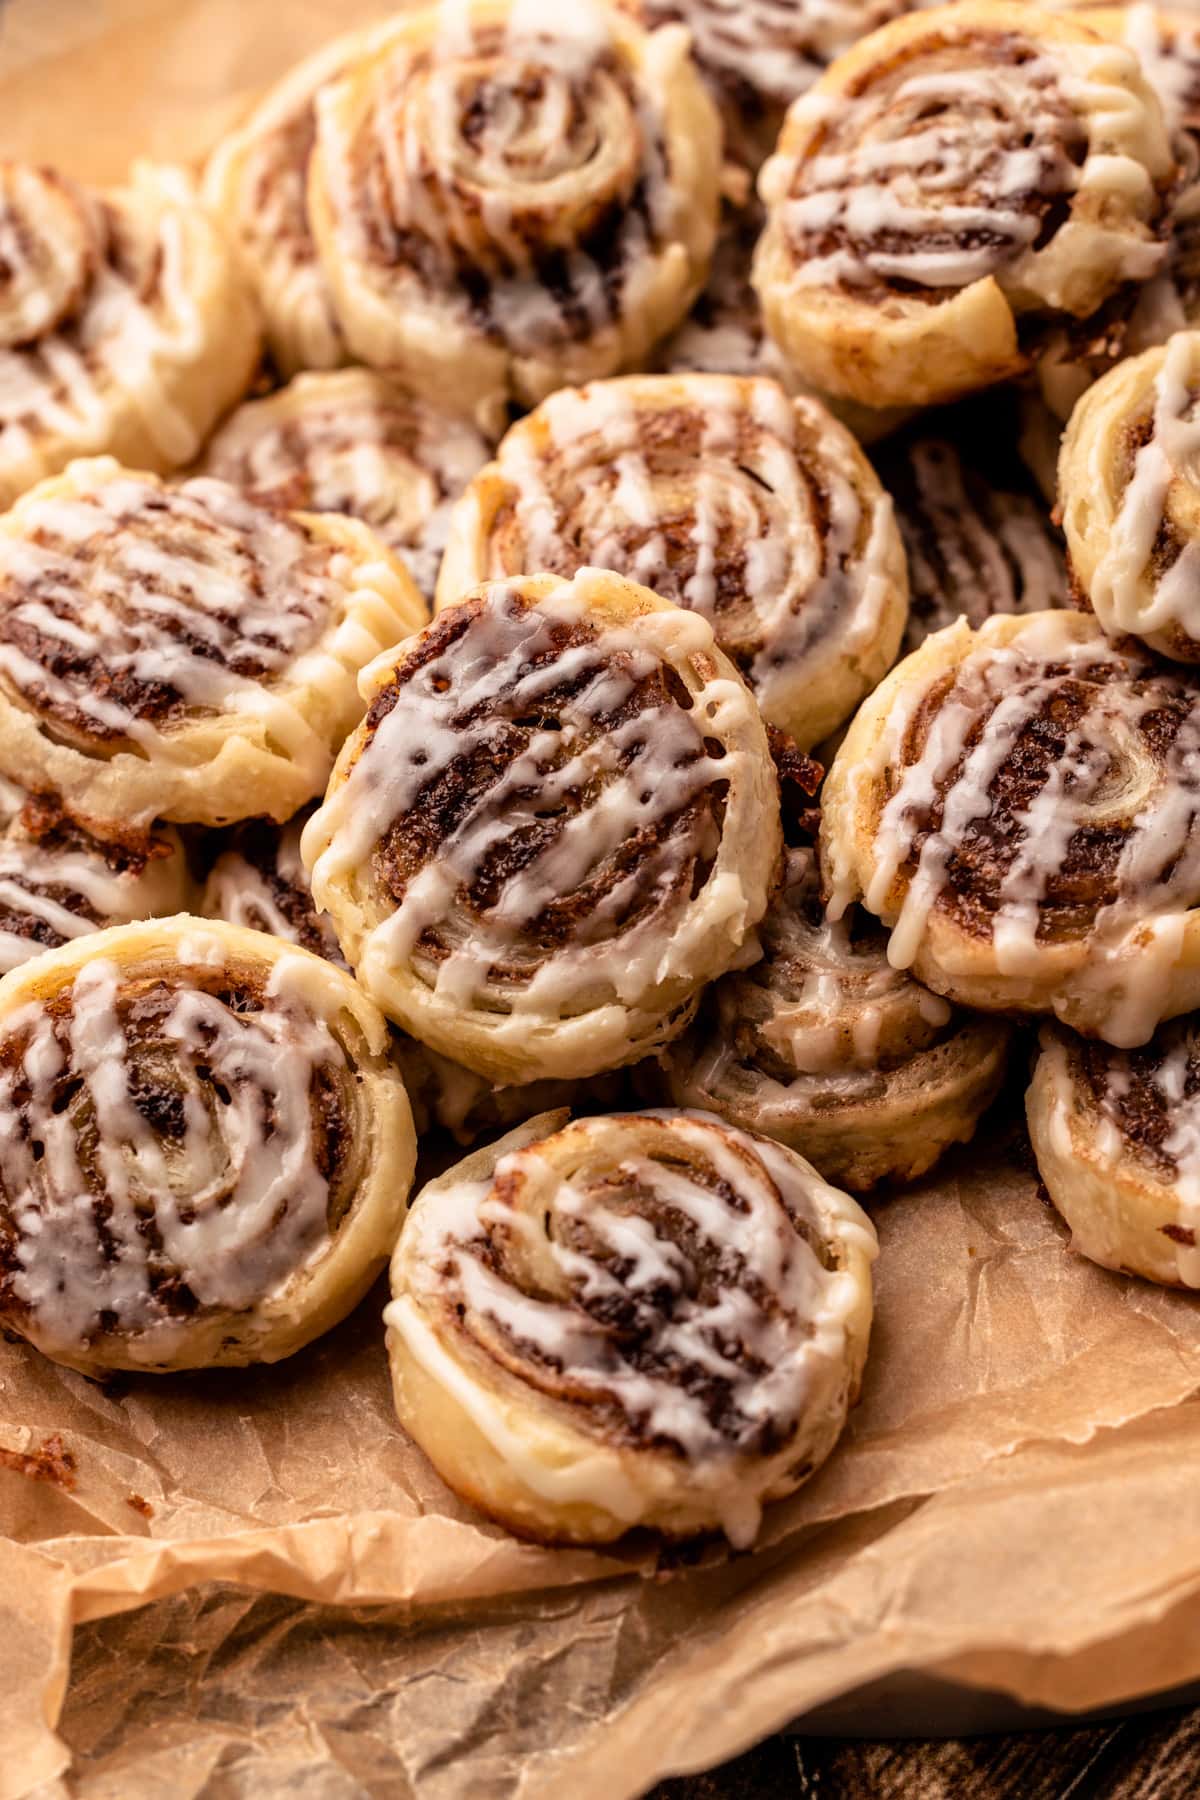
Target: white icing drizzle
[
  {"x": 1128, "y": 592},
  {"x": 670, "y": 1221},
  {"x": 756, "y": 511},
  {"x": 60, "y": 886},
  {"x": 356, "y": 443},
  {"x": 584, "y": 788},
  {"x": 132, "y": 328},
  {"x": 233, "y": 1188},
  {"x": 1106, "y": 774},
  {"x": 499, "y": 146},
  {"x": 260, "y": 882},
  {"x": 974, "y": 549},
  {"x": 824, "y": 1002},
  {"x": 192, "y": 590},
  {"x": 938, "y": 173}
]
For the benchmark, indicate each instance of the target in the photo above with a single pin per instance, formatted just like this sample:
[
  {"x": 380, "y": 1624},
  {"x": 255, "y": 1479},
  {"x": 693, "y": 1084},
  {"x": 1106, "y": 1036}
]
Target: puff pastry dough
[
  {"x": 952, "y": 173},
  {"x": 722, "y": 494},
  {"x": 124, "y": 324},
  {"x": 207, "y": 1152},
  {"x": 183, "y": 652},
  {"x": 1117, "y": 1139},
  {"x": 826, "y": 1048},
  {"x": 1021, "y": 805},
  {"x": 558, "y": 820},
  {"x": 354, "y": 441},
  {"x": 553, "y": 212},
  {"x": 643, "y": 1320}
]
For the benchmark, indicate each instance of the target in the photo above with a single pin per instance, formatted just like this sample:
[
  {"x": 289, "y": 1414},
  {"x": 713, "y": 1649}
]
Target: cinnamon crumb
[
  {"x": 139, "y": 1505},
  {"x": 53, "y": 1462}
]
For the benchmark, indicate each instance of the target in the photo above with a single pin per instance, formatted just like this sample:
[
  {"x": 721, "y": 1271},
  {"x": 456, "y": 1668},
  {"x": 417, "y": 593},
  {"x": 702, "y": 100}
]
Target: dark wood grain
[{"x": 1155, "y": 1756}]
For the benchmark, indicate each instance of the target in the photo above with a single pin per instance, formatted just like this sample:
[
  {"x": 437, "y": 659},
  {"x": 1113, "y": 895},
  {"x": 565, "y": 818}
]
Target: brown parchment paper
[{"x": 251, "y": 1584}]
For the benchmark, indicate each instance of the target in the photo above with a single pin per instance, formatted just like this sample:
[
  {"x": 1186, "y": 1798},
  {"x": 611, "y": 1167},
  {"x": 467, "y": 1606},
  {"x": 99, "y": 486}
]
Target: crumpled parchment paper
[{"x": 252, "y": 1584}]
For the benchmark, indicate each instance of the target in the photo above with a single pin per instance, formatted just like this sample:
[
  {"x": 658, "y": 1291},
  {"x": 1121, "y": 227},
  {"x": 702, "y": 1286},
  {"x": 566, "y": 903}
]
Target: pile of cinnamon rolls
[{"x": 500, "y": 663}]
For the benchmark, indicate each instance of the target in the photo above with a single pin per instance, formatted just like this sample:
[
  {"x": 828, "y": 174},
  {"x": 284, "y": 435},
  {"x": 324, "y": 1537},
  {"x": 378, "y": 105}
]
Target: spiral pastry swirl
[
  {"x": 505, "y": 200},
  {"x": 259, "y": 882},
  {"x": 978, "y": 542},
  {"x": 1117, "y": 1139},
  {"x": 558, "y": 820},
  {"x": 354, "y": 442},
  {"x": 757, "y": 511},
  {"x": 955, "y": 172},
  {"x": 826, "y": 1048},
  {"x": 1021, "y": 805},
  {"x": 124, "y": 326},
  {"x": 650, "y": 1319},
  {"x": 256, "y": 182},
  {"x": 760, "y": 55},
  {"x": 58, "y": 882},
  {"x": 205, "y": 1154},
  {"x": 1129, "y": 484},
  {"x": 183, "y": 652}
]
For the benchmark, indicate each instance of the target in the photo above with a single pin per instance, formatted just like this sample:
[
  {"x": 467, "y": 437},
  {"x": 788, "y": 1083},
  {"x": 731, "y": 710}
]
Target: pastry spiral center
[
  {"x": 48, "y": 252},
  {"x": 127, "y": 606},
  {"x": 166, "y": 1147}
]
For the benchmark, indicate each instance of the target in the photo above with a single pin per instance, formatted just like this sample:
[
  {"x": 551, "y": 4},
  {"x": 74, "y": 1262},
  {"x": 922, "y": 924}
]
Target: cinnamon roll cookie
[
  {"x": 760, "y": 55},
  {"x": 722, "y": 494},
  {"x": 182, "y": 652},
  {"x": 206, "y": 1151},
  {"x": 1129, "y": 487},
  {"x": 59, "y": 882},
  {"x": 650, "y": 1319},
  {"x": 1021, "y": 804},
  {"x": 256, "y": 183},
  {"x": 558, "y": 820},
  {"x": 826, "y": 1048},
  {"x": 1117, "y": 1139},
  {"x": 979, "y": 541},
  {"x": 955, "y": 173},
  {"x": 124, "y": 325},
  {"x": 506, "y": 198},
  {"x": 354, "y": 442}
]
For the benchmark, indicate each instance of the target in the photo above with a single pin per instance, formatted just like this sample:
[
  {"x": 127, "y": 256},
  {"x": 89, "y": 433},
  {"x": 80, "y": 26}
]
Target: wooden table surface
[{"x": 1155, "y": 1756}]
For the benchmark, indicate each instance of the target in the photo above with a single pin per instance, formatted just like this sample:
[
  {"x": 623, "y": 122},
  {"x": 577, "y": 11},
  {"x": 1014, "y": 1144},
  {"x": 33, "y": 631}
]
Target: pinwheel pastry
[
  {"x": 957, "y": 173},
  {"x": 722, "y": 494},
  {"x": 557, "y": 822},
  {"x": 256, "y": 183},
  {"x": 760, "y": 55},
  {"x": 979, "y": 539},
  {"x": 1129, "y": 487},
  {"x": 649, "y": 1319},
  {"x": 354, "y": 441},
  {"x": 826, "y": 1048},
  {"x": 1070, "y": 356},
  {"x": 58, "y": 882},
  {"x": 183, "y": 652},
  {"x": 1021, "y": 804},
  {"x": 1117, "y": 1139},
  {"x": 124, "y": 324},
  {"x": 259, "y": 881},
  {"x": 505, "y": 199},
  {"x": 206, "y": 1151}
]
